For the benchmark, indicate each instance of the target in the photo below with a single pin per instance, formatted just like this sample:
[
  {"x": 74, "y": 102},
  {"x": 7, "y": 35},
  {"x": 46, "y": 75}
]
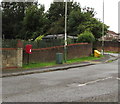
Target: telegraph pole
[{"x": 65, "y": 45}]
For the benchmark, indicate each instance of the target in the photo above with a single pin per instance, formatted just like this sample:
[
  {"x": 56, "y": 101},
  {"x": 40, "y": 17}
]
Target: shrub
[
  {"x": 39, "y": 38},
  {"x": 86, "y": 36}
]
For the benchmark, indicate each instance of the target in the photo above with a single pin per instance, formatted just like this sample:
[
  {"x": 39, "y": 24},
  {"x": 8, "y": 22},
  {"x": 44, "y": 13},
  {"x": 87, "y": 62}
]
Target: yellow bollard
[{"x": 97, "y": 53}]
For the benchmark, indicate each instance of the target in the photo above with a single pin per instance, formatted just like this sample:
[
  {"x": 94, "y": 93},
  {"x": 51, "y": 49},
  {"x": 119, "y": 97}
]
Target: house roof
[
  {"x": 58, "y": 36},
  {"x": 110, "y": 36},
  {"x": 111, "y": 32},
  {"x": 53, "y": 36},
  {"x": 72, "y": 37}
]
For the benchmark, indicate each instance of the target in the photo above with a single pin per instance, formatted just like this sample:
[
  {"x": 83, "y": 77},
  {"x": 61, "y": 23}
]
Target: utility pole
[
  {"x": 65, "y": 45},
  {"x": 103, "y": 31}
]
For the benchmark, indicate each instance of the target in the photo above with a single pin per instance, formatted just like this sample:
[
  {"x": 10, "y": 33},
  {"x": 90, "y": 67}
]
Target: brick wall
[
  {"x": 49, "y": 54},
  {"x": 11, "y": 57},
  {"x": 15, "y": 57},
  {"x": 108, "y": 46}
]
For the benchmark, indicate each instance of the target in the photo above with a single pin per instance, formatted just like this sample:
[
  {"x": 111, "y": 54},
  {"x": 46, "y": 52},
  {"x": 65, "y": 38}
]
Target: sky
[{"x": 110, "y": 10}]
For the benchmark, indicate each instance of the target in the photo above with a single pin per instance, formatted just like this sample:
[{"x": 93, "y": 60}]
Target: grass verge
[
  {"x": 48, "y": 64},
  {"x": 82, "y": 59},
  {"x": 36, "y": 65},
  {"x": 111, "y": 52},
  {"x": 33, "y": 66}
]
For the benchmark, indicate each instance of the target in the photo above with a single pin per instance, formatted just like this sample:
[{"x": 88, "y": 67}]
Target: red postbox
[{"x": 28, "y": 48}]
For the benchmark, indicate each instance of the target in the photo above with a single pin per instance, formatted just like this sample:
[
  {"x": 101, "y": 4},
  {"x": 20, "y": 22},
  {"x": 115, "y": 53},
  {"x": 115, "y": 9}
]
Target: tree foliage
[
  {"x": 81, "y": 21},
  {"x": 33, "y": 22},
  {"x": 12, "y": 17},
  {"x": 56, "y": 15},
  {"x": 39, "y": 38},
  {"x": 86, "y": 36},
  {"x": 28, "y": 20}
]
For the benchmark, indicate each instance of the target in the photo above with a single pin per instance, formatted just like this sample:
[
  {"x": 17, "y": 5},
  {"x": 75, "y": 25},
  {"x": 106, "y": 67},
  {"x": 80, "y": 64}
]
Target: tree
[
  {"x": 75, "y": 19},
  {"x": 34, "y": 22},
  {"x": 28, "y": 20},
  {"x": 81, "y": 21},
  {"x": 86, "y": 36},
  {"x": 56, "y": 16},
  {"x": 57, "y": 27},
  {"x": 97, "y": 27},
  {"x": 12, "y": 17}
]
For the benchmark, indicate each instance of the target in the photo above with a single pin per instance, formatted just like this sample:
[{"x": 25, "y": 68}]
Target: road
[{"x": 96, "y": 83}]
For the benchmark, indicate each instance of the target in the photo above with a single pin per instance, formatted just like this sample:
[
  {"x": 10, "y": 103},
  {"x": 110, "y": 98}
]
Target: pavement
[{"x": 108, "y": 58}]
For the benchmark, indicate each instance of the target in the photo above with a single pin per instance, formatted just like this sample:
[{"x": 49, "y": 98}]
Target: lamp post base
[{"x": 102, "y": 52}]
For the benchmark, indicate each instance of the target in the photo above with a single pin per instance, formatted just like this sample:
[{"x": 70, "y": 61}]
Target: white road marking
[
  {"x": 82, "y": 84},
  {"x": 94, "y": 81},
  {"x": 118, "y": 78}
]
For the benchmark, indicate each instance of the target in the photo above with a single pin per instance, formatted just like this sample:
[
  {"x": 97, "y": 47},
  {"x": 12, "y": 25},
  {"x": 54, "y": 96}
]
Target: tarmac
[{"x": 109, "y": 57}]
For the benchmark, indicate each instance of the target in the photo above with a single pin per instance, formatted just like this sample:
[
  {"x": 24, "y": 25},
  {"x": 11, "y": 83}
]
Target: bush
[
  {"x": 39, "y": 38},
  {"x": 86, "y": 37}
]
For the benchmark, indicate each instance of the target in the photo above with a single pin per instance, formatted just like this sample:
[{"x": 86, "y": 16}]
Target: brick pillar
[
  {"x": 19, "y": 53},
  {"x": 19, "y": 57}
]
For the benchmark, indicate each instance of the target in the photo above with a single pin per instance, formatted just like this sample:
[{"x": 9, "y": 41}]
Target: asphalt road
[{"x": 96, "y": 83}]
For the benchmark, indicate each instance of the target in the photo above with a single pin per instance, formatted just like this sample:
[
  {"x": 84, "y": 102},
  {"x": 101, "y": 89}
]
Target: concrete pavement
[{"x": 108, "y": 57}]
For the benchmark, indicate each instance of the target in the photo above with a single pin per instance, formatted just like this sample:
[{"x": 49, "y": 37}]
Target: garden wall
[
  {"x": 11, "y": 57},
  {"x": 49, "y": 54},
  {"x": 108, "y": 46},
  {"x": 15, "y": 57}
]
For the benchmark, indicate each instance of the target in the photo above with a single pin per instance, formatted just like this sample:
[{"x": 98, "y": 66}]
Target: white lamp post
[
  {"x": 103, "y": 31},
  {"x": 65, "y": 45}
]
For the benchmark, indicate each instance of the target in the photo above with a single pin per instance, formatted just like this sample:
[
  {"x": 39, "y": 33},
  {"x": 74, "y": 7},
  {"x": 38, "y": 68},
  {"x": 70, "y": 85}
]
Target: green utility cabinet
[{"x": 59, "y": 58}]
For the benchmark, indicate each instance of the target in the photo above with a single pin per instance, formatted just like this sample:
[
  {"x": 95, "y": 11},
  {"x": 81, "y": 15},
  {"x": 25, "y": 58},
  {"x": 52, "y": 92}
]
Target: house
[
  {"x": 110, "y": 36},
  {"x": 58, "y": 36},
  {"x": 119, "y": 37}
]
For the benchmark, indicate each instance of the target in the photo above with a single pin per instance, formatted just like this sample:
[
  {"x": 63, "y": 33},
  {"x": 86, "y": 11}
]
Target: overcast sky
[{"x": 110, "y": 10}]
